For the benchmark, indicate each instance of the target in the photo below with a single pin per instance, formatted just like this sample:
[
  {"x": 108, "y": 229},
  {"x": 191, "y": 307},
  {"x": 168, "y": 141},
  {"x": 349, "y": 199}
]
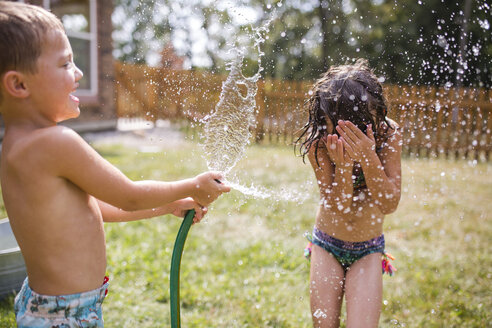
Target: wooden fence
[{"x": 455, "y": 123}]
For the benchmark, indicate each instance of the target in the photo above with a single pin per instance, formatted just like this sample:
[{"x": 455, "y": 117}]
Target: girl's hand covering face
[
  {"x": 357, "y": 144},
  {"x": 336, "y": 151}
]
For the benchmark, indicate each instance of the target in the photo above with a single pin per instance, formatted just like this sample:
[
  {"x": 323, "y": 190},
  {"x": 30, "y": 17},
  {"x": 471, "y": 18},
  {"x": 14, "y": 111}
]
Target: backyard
[{"x": 244, "y": 266}]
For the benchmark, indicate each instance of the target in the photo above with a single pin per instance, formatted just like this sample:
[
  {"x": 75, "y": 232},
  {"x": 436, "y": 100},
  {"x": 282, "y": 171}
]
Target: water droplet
[
  {"x": 318, "y": 314},
  {"x": 484, "y": 24},
  {"x": 476, "y": 50}
]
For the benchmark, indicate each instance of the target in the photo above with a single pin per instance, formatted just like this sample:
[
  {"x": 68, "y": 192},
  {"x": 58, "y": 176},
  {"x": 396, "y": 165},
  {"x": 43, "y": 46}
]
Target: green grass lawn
[{"x": 244, "y": 266}]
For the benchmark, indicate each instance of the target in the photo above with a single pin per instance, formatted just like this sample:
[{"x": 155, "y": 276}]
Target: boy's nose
[{"x": 78, "y": 74}]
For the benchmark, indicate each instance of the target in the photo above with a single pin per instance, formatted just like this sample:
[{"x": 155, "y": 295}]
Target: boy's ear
[{"x": 14, "y": 84}]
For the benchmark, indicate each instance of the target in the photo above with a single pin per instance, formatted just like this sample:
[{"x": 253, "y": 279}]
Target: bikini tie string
[{"x": 386, "y": 264}]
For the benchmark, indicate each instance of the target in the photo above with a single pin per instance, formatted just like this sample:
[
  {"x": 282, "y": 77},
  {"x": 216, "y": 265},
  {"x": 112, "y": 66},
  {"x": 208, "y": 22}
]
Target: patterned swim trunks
[{"x": 66, "y": 311}]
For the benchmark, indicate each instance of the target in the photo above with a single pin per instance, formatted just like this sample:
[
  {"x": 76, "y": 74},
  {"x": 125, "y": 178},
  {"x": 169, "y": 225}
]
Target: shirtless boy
[{"x": 57, "y": 190}]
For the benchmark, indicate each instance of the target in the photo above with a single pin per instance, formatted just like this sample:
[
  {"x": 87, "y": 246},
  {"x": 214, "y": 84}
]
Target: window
[{"x": 79, "y": 20}]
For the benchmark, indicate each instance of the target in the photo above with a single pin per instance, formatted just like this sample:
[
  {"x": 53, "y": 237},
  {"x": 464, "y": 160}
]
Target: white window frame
[{"x": 92, "y": 38}]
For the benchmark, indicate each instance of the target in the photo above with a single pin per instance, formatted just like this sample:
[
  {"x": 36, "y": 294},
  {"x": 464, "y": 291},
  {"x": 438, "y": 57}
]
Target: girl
[{"x": 355, "y": 151}]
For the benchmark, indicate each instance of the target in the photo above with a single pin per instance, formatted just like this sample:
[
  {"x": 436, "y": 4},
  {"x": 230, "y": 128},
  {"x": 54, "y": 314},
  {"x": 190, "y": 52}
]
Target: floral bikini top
[{"x": 360, "y": 181}]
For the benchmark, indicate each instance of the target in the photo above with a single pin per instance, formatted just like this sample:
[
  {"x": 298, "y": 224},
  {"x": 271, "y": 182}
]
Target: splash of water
[
  {"x": 299, "y": 196},
  {"x": 227, "y": 128}
]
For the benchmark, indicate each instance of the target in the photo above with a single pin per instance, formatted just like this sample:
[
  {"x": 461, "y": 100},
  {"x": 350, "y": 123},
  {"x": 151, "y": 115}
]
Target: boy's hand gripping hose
[{"x": 175, "y": 268}]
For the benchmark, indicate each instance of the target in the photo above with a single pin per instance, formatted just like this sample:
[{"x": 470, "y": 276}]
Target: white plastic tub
[{"x": 12, "y": 267}]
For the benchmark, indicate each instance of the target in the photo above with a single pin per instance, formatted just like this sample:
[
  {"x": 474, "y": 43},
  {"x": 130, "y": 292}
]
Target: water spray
[{"x": 226, "y": 136}]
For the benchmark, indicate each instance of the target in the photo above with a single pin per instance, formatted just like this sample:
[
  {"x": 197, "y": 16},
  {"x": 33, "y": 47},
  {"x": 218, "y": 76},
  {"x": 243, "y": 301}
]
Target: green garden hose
[{"x": 175, "y": 267}]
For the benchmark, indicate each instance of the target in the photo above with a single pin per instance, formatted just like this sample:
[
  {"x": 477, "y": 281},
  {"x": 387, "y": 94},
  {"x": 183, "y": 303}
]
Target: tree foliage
[{"x": 438, "y": 42}]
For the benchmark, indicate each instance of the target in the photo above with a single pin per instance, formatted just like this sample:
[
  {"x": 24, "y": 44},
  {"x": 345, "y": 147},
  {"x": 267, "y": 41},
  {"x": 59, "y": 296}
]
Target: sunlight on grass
[{"x": 244, "y": 267}]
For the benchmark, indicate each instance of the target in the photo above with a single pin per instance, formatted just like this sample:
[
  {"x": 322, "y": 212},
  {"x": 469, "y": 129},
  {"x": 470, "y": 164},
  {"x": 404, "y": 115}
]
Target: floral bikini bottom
[{"x": 348, "y": 252}]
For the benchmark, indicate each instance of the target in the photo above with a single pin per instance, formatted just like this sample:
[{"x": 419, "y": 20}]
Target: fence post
[
  {"x": 488, "y": 137},
  {"x": 459, "y": 125},
  {"x": 260, "y": 116}
]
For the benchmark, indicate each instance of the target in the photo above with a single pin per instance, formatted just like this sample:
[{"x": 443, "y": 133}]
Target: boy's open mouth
[{"x": 74, "y": 98}]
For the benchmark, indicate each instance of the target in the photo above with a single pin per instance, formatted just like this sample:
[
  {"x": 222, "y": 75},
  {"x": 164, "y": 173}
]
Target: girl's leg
[
  {"x": 363, "y": 292},
  {"x": 327, "y": 279}
]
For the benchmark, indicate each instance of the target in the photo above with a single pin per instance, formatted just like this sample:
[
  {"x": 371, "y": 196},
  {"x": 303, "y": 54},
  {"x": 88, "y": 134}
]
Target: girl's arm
[
  {"x": 334, "y": 181},
  {"x": 382, "y": 174},
  {"x": 179, "y": 208}
]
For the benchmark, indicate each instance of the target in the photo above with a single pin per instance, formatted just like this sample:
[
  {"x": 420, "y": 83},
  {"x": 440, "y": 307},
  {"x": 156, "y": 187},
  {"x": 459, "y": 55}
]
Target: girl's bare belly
[{"x": 362, "y": 222}]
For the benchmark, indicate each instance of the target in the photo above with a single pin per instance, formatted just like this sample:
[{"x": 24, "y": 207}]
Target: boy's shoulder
[{"x": 39, "y": 143}]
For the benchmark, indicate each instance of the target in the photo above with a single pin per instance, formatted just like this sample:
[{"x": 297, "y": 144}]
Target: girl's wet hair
[{"x": 345, "y": 92}]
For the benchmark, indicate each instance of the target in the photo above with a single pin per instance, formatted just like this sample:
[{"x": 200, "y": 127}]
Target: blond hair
[{"x": 23, "y": 30}]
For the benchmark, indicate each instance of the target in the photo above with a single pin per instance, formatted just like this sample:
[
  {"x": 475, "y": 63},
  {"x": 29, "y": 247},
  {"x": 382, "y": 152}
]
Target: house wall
[
  {"x": 103, "y": 107},
  {"x": 97, "y": 112}
]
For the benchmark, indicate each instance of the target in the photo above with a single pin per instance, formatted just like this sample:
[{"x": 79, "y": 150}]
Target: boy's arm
[
  {"x": 178, "y": 208},
  {"x": 73, "y": 159}
]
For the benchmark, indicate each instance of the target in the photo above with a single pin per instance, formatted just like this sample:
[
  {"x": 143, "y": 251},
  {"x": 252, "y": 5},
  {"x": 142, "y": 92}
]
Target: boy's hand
[
  {"x": 336, "y": 151},
  {"x": 180, "y": 207},
  {"x": 208, "y": 187},
  {"x": 357, "y": 144}
]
